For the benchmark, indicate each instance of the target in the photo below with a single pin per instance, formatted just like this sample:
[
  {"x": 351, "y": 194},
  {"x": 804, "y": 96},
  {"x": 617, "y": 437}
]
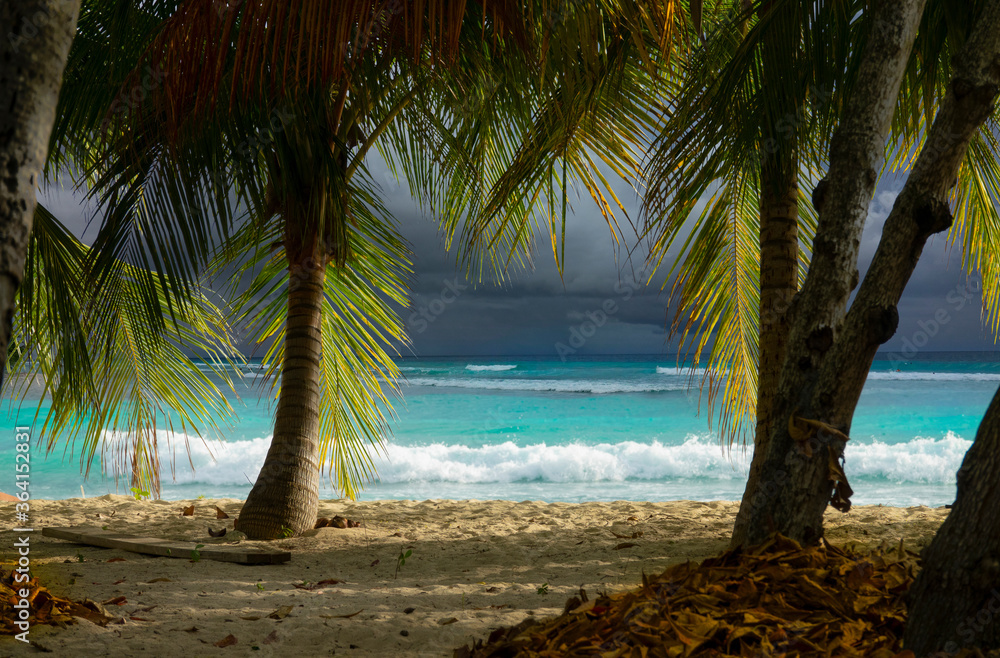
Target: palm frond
[
  {"x": 716, "y": 296},
  {"x": 112, "y": 373}
]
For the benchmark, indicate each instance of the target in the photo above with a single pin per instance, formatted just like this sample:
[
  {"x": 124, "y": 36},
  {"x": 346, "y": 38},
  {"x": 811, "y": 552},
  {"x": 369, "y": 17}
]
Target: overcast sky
[{"x": 538, "y": 313}]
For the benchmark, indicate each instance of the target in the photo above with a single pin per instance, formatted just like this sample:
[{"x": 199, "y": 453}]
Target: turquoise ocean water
[{"x": 606, "y": 428}]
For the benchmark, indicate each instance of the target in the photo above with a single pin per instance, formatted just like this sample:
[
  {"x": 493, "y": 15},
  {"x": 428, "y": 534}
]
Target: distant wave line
[{"x": 597, "y": 387}]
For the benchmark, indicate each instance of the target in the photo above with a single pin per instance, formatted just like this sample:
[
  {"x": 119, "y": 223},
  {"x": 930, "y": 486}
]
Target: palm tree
[
  {"x": 34, "y": 55},
  {"x": 110, "y": 346},
  {"x": 488, "y": 133},
  {"x": 742, "y": 107}
]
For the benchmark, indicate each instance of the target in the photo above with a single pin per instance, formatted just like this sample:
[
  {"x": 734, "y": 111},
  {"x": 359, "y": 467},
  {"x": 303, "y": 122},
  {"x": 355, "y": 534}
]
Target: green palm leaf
[{"x": 114, "y": 374}]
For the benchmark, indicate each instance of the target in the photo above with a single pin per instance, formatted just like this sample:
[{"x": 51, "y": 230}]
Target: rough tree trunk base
[{"x": 285, "y": 498}]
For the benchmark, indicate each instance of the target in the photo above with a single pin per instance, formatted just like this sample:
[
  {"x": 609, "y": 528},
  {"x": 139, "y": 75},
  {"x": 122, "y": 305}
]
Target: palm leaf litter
[
  {"x": 44, "y": 606},
  {"x": 778, "y": 599}
]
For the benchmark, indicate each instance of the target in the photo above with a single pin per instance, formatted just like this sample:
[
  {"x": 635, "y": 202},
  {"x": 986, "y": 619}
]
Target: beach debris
[
  {"x": 634, "y": 535},
  {"x": 404, "y": 633},
  {"x": 159, "y": 580},
  {"x": 193, "y": 629},
  {"x": 375, "y": 563},
  {"x": 44, "y": 607},
  {"x": 188, "y": 511},
  {"x": 408, "y": 611},
  {"x": 336, "y": 522},
  {"x": 314, "y": 586},
  {"x": 625, "y": 544},
  {"x": 281, "y": 612},
  {"x": 353, "y": 614},
  {"x": 166, "y": 547},
  {"x": 118, "y": 600},
  {"x": 216, "y": 533},
  {"x": 775, "y": 599},
  {"x": 271, "y": 638},
  {"x": 227, "y": 641},
  {"x": 219, "y": 514},
  {"x": 446, "y": 621},
  {"x": 117, "y": 559}
]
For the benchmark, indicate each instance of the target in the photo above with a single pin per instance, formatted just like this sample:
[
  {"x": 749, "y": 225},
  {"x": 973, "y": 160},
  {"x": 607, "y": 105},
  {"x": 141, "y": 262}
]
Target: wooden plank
[{"x": 166, "y": 547}]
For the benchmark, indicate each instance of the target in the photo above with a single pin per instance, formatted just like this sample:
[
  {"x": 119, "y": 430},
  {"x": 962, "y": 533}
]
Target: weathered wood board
[{"x": 166, "y": 547}]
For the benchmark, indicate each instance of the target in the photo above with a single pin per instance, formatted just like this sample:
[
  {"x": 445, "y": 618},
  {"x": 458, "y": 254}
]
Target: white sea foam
[
  {"x": 935, "y": 376},
  {"x": 918, "y": 460},
  {"x": 550, "y": 385},
  {"x": 476, "y": 368},
  {"x": 215, "y": 462},
  {"x": 508, "y": 462},
  {"x": 679, "y": 372},
  {"x": 921, "y": 460}
]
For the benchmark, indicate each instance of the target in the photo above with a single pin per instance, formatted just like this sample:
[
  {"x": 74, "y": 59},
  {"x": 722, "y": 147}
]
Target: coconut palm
[
  {"x": 113, "y": 352},
  {"x": 749, "y": 132},
  {"x": 251, "y": 146}
]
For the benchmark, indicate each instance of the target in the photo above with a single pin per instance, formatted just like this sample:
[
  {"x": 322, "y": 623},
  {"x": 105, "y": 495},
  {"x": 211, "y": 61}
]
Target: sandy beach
[{"x": 474, "y": 566}]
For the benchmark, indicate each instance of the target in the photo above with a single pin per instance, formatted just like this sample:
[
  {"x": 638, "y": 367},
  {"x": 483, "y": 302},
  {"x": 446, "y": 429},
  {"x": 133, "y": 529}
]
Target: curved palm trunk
[
  {"x": 33, "y": 52},
  {"x": 285, "y": 497},
  {"x": 956, "y": 597}
]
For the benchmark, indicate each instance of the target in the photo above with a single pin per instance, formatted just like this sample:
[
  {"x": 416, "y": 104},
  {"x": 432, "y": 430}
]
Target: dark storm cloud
[{"x": 601, "y": 304}]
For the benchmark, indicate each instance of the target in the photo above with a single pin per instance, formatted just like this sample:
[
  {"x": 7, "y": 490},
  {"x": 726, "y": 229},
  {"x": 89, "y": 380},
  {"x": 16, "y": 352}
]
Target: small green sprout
[
  {"x": 139, "y": 494},
  {"x": 401, "y": 560}
]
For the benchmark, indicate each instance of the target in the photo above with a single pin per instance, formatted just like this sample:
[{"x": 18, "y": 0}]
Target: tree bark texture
[
  {"x": 793, "y": 486},
  {"x": 285, "y": 498},
  {"x": 830, "y": 352},
  {"x": 955, "y": 601},
  {"x": 779, "y": 239},
  {"x": 34, "y": 44}
]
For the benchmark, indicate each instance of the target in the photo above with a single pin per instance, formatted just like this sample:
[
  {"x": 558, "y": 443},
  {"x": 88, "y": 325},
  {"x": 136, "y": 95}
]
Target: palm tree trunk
[
  {"x": 779, "y": 250},
  {"x": 285, "y": 498},
  {"x": 830, "y": 350},
  {"x": 36, "y": 38},
  {"x": 779, "y": 238},
  {"x": 955, "y": 601},
  {"x": 791, "y": 486}
]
